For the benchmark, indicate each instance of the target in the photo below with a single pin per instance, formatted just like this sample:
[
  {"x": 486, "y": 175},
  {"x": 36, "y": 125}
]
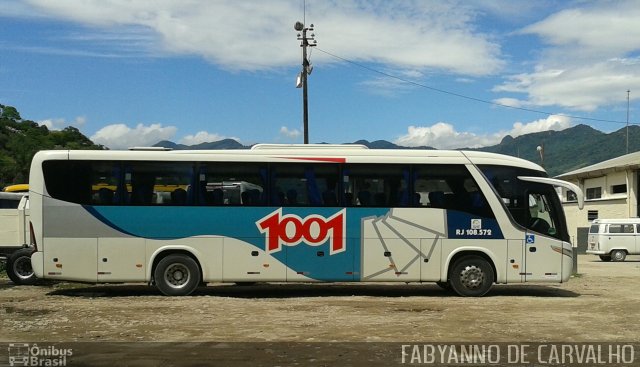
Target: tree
[
  {"x": 21, "y": 139},
  {"x": 9, "y": 112}
]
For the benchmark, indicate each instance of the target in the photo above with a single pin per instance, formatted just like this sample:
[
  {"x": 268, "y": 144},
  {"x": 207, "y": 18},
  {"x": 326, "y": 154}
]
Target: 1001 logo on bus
[{"x": 314, "y": 230}]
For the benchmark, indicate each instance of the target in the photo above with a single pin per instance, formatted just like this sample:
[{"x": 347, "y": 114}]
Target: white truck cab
[
  {"x": 614, "y": 239},
  {"x": 14, "y": 236}
]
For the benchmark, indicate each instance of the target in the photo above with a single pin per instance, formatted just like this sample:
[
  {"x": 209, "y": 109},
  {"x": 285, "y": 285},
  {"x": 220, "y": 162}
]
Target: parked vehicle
[
  {"x": 14, "y": 236},
  {"x": 17, "y": 188},
  {"x": 464, "y": 220},
  {"x": 614, "y": 239}
]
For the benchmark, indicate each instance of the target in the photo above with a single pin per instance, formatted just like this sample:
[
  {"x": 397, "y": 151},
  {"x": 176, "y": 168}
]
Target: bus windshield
[{"x": 532, "y": 205}]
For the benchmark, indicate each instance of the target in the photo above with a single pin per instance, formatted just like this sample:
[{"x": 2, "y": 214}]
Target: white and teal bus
[{"x": 296, "y": 213}]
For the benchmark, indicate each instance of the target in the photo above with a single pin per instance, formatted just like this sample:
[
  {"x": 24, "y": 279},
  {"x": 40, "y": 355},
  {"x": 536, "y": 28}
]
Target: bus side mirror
[{"x": 552, "y": 231}]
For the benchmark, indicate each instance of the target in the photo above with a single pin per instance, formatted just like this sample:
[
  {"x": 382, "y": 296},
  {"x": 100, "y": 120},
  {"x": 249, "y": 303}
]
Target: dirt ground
[{"x": 601, "y": 304}]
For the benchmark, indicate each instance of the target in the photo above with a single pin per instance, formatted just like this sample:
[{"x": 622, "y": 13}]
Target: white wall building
[{"x": 610, "y": 189}]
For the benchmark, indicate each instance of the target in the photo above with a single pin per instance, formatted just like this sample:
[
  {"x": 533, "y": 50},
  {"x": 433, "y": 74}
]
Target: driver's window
[{"x": 540, "y": 219}]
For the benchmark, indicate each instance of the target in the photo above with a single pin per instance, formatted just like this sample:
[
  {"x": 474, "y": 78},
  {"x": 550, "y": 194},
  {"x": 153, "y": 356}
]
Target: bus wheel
[
  {"x": 605, "y": 258},
  {"x": 471, "y": 276},
  {"x": 177, "y": 275},
  {"x": 19, "y": 267},
  {"x": 618, "y": 255}
]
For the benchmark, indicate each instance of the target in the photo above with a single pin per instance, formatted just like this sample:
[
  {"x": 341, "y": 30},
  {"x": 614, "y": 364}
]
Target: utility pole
[
  {"x": 306, "y": 71},
  {"x": 628, "y": 92}
]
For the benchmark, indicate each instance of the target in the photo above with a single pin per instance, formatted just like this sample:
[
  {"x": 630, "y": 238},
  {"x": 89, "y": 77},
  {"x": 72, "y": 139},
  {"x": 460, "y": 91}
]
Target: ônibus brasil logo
[{"x": 314, "y": 230}]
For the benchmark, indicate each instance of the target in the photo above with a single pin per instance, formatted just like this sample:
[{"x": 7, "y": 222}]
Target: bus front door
[
  {"x": 542, "y": 252},
  {"x": 542, "y": 262}
]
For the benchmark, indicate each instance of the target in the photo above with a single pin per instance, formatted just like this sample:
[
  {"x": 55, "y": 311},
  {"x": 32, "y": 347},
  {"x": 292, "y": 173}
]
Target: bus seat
[
  {"x": 329, "y": 198},
  {"x": 142, "y": 195},
  {"x": 417, "y": 199},
  {"x": 217, "y": 197},
  {"x": 105, "y": 196},
  {"x": 246, "y": 198},
  {"x": 179, "y": 196},
  {"x": 450, "y": 201},
  {"x": 364, "y": 197},
  {"x": 436, "y": 199},
  {"x": 292, "y": 197},
  {"x": 348, "y": 199}
]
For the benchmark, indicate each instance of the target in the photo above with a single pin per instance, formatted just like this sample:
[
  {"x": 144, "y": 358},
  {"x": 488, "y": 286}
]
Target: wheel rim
[
  {"x": 472, "y": 277},
  {"x": 177, "y": 275},
  {"x": 22, "y": 267},
  {"x": 618, "y": 255}
]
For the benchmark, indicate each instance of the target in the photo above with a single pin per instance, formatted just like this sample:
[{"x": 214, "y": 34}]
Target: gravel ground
[{"x": 594, "y": 306}]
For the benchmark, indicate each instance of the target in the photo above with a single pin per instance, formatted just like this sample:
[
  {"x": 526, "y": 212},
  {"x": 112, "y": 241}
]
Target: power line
[{"x": 443, "y": 91}]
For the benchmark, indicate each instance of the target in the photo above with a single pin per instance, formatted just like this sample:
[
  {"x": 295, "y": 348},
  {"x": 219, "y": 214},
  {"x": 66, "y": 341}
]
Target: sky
[{"x": 446, "y": 74}]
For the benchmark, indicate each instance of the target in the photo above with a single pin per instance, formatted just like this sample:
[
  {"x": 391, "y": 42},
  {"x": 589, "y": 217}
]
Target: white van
[{"x": 614, "y": 239}]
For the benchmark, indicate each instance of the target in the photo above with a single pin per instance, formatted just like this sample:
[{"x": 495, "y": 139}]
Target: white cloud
[
  {"x": 406, "y": 35},
  {"x": 444, "y": 136},
  {"x": 201, "y": 137},
  {"x": 596, "y": 30},
  {"x": 289, "y": 133},
  {"x": 121, "y": 136},
  {"x": 511, "y": 102},
  {"x": 402, "y": 81},
  {"x": 60, "y": 123},
  {"x": 582, "y": 88},
  {"x": 553, "y": 122},
  {"x": 591, "y": 59}
]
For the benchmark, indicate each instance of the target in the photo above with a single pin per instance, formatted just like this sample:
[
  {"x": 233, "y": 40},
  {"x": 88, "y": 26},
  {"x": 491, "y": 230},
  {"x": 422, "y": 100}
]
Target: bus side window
[
  {"x": 68, "y": 180},
  {"x": 105, "y": 180},
  {"x": 450, "y": 187},
  {"x": 232, "y": 184},
  {"x": 295, "y": 184},
  {"x": 376, "y": 185},
  {"x": 159, "y": 183}
]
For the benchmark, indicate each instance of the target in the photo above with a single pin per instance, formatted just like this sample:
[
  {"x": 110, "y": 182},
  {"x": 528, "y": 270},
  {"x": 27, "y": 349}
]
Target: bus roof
[{"x": 290, "y": 153}]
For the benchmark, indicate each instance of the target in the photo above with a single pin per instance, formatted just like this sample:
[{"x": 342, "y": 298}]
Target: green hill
[
  {"x": 564, "y": 150},
  {"x": 21, "y": 139},
  {"x": 571, "y": 148}
]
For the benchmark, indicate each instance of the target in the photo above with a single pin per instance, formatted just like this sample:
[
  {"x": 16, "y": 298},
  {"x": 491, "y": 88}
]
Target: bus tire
[
  {"x": 471, "y": 276},
  {"x": 618, "y": 255},
  {"x": 177, "y": 275},
  {"x": 19, "y": 267},
  {"x": 605, "y": 258}
]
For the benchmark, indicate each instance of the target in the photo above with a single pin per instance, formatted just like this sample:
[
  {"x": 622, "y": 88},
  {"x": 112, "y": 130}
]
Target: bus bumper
[
  {"x": 37, "y": 263},
  {"x": 597, "y": 252},
  {"x": 567, "y": 261}
]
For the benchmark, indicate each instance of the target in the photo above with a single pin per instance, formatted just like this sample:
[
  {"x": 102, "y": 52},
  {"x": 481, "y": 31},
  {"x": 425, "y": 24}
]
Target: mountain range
[{"x": 562, "y": 151}]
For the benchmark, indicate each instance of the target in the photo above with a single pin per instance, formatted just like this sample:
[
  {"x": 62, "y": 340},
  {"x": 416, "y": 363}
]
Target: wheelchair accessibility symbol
[{"x": 530, "y": 238}]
